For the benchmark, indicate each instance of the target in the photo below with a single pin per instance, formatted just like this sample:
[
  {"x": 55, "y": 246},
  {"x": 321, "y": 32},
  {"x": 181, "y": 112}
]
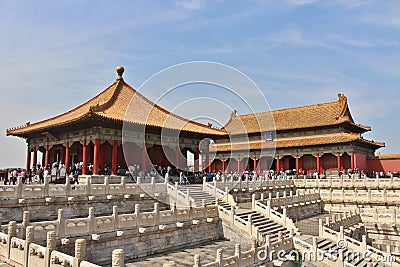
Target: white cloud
[
  {"x": 355, "y": 3},
  {"x": 302, "y": 2},
  {"x": 295, "y": 36},
  {"x": 191, "y": 5},
  {"x": 372, "y": 12},
  {"x": 350, "y": 40},
  {"x": 391, "y": 20},
  {"x": 291, "y": 36}
]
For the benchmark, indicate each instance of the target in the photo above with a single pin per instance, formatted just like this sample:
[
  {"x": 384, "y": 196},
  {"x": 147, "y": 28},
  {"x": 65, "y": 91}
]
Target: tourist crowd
[{"x": 10, "y": 176}]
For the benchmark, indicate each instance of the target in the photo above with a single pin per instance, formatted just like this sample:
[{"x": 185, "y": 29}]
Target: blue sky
[{"x": 56, "y": 54}]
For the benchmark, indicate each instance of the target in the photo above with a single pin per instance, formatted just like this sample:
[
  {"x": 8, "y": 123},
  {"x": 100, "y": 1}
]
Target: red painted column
[
  {"x": 133, "y": 153},
  {"x": 208, "y": 161},
  {"x": 196, "y": 160},
  {"x": 114, "y": 157},
  {"x": 46, "y": 160},
  {"x": 84, "y": 157},
  {"x": 238, "y": 161},
  {"x": 255, "y": 164},
  {"x": 223, "y": 165},
  {"x": 34, "y": 158},
  {"x": 318, "y": 164},
  {"x": 43, "y": 159},
  {"x": 67, "y": 157},
  {"x": 278, "y": 164},
  {"x": 338, "y": 162},
  {"x": 297, "y": 163},
  {"x": 177, "y": 157},
  {"x": 144, "y": 160},
  {"x": 96, "y": 155},
  {"x": 352, "y": 160},
  {"x": 28, "y": 160}
]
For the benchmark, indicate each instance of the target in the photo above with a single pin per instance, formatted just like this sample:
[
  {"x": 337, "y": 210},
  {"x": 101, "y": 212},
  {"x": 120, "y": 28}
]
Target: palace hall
[{"x": 109, "y": 130}]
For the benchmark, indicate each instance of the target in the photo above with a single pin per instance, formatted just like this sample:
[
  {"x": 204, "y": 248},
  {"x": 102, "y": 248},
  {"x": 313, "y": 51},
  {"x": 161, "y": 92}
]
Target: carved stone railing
[
  {"x": 335, "y": 221},
  {"x": 303, "y": 197},
  {"x": 274, "y": 215},
  {"x": 246, "y": 227},
  {"x": 178, "y": 196},
  {"x": 254, "y": 256},
  {"x": 338, "y": 237},
  {"x": 46, "y": 190},
  {"x": 311, "y": 253},
  {"x": 251, "y": 185},
  {"x": 331, "y": 182},
  {"x": 314, "y": 255},
  {"x": 360, "y": 196},
  {"x": 92, "y": 224},
  {"x": 213, "y": 190},
  {"x": 380, "y": 216},
  {"x": 24, "y": 252}
]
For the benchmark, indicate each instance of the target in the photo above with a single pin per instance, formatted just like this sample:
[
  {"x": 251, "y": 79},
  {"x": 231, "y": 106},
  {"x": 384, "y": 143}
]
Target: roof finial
[
  {"x": 120, "y": 71},
  {"x": 342, "y": 97}
]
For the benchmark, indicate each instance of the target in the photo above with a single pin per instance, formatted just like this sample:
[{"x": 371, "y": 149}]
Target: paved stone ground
[{"x": 185, "y": 256}]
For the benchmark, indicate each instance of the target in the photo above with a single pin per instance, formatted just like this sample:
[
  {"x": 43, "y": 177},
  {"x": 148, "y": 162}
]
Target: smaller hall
[{"x": 315, "y": 138}]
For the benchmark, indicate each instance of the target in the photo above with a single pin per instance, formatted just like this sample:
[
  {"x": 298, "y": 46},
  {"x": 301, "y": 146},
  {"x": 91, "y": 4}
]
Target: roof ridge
[
  {"x": 65, "y": 113},
  {"x": 285, "y": 109},
  {"x": 110, "y": 101},
  {"x": 154, "y": 105}
]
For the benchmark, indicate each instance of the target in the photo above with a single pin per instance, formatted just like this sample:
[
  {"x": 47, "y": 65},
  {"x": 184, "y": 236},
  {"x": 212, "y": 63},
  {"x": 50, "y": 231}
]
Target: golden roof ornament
[
  {"x": 120, "y": 71},
  {"x": 342, "y": 97}
]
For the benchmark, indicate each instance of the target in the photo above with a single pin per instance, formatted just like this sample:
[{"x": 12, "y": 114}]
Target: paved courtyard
[{"x": 185, "y": 256}]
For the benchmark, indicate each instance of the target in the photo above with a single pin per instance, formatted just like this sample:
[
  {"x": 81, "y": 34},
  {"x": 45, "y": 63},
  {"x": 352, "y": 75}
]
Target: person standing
[
  {"x": 45, "y": 173},
  {"x": 181, "y": 178},
  {"x": 41, "y": 177},
  {"x": 76, "y": 178},
  {"x": 6, "y": 177},
  {"x": 14, "y": 176}
]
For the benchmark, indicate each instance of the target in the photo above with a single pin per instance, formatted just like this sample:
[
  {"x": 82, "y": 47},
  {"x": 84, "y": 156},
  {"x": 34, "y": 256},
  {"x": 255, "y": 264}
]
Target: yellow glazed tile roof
[
  {"x": 113, "y": 104},
  {"x": 301, "y": 141},
  {"x": 331, "y": 113},
  {"x": 385, "y": 157}
]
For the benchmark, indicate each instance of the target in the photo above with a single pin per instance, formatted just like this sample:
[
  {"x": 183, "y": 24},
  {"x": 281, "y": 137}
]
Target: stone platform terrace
[{"x": 184, "y": 257}]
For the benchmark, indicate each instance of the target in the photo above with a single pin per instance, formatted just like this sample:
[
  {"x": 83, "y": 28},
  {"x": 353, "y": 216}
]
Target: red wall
[
  {"x": 360, "y": 161},
  {"x": 388, "y": 165},
  {"x": 309, "y": 162},
  {"x": 328, "y": 162}
]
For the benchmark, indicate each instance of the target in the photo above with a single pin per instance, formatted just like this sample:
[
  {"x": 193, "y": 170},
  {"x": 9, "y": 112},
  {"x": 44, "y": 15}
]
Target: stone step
[
  {"x": 205, "y": 198},
  {"x": 275, "y": 235},
  {"x": 265, "y": 226},
  {"x": 356, "y": 261},
  {"x": 329, "y": 246},
  {"x": 325, "y": 244},
  {"x": 201, "y": 195},
  {"x": 192, "y": 192},
  {"x": 245, "y": 214},
  {"x": 263, "y": 220},
  {"x": 272, "y": 229}
]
